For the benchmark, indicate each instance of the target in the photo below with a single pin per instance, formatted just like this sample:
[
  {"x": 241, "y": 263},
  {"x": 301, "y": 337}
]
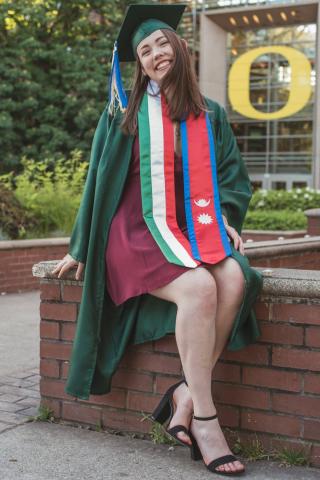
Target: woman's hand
[
  {"x": 65, "y": 264},
  {"x": 233, "y": 234}
]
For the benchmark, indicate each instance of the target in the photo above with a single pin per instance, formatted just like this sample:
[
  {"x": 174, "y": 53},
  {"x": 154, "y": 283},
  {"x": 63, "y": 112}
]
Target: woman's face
[{"x": 156, "y": 55}]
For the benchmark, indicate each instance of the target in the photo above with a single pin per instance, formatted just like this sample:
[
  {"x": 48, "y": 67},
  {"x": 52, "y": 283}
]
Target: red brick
[
  {"x": 152, "y": 362},
  {"x": 59, "y": 311},
  {"x": 265, "y": 422},
  {"x": 311, "y": 383},
  {"x": 53, "y": 388},
  {"x": 125, "y": 421},
  {"x": 297, "y": 313},
  {"x": 242, "y": 396},
  {"x": 226, "y": 372},
  {"x": 132, "y": 380},
  {"x": 284, "y": 334},
  {"x": 59, "y": 350},
  {"x": 68, "y": 331},
  {"x": 166, "y": 344},
  {"x": 71, "y": 293},
  {"x": 262, "y": 310},
  {"x": 142, "y": 401},
  {"x": 141, "y": 347},
  {"x": 115, "y": 398},
  {"x": 81, "y": 413},
  {"x": 271, "y": 378},
  {"x": 313, "y": 337},
  {"x": 296, "y": 404},
  {"x": 65, "y": 369},
  {"x": 228, "y": 416},
  {"x": 296, "y": 358},
  {"x": 256, "y": 354},
  {"x": 312, "y": 429},
  {"x": 49, "y": 329},
  {"x": 49, "y": 368},
  {"x": 50, "y": 291},
  {"x": 315, "y": 456},
  {"x": 163, "y": 383}
]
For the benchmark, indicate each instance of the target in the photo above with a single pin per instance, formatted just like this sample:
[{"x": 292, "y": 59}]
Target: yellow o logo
[{"x": 299, "y": 92}]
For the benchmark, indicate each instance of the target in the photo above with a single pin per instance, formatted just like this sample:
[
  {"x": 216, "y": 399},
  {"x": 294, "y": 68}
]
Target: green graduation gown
[{"x": 104, "y": 330}]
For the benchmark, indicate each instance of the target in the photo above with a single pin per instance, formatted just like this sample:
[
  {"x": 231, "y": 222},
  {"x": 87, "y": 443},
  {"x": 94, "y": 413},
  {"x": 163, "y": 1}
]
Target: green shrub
[
  {"x": 50, "y": 191},
  {"x": 275, "y": 220},
  {"x": 15, "y": 221},
  {"x": 296, "y": 200}
]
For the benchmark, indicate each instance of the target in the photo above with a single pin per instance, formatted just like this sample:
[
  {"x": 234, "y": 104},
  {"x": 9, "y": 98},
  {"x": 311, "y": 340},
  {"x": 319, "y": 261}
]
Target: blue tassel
[{"x": 117, "y": 94}]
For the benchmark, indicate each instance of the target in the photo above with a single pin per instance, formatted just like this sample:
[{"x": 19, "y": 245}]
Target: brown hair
[{"x": 183, "y": 97}]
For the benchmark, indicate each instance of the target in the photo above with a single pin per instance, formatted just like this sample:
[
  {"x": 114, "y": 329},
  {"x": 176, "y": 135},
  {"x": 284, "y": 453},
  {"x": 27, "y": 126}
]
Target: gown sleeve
[
  {"x": 81, "y": 229},
  {"x": 234, "y": 184}
]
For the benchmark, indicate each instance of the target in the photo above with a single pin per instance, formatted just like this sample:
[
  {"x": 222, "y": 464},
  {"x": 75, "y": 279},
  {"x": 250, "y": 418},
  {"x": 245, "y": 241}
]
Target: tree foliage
[{"x": 54, "y": 66}]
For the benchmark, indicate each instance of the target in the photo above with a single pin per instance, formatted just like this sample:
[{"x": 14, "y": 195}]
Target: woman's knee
[
  {"x": 229, "y": 277},
  {"x": 200, "y": 289}
]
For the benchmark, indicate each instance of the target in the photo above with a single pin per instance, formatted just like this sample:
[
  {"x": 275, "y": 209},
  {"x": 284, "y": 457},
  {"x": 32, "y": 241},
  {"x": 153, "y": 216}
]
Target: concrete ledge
[
  {"x": 34, "y": 243},
  {"x": 276, "y": 281},
  {"x": 279, "y": 247}
]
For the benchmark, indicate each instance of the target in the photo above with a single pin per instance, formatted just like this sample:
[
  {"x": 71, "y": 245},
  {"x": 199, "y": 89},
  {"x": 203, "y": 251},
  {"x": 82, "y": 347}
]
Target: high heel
[
  {"x": 165, "y": 410},
  {"x": 212, "y": 466}
]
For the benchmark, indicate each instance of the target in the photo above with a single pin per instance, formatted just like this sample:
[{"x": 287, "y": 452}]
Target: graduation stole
[{"x": 208, "y": 241}]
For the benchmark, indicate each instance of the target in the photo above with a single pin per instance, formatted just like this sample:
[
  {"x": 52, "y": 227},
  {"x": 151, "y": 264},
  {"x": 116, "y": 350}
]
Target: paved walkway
[
  {"x": 19, "y": 353},
  {"x": 51, "y": 451}
]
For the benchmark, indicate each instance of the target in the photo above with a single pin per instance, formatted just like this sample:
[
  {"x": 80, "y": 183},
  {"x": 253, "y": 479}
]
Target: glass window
[{"x": 282, "y": 145}]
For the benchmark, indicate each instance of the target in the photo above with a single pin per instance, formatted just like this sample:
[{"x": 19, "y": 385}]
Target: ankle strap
[{"x": 205, "y": 418}]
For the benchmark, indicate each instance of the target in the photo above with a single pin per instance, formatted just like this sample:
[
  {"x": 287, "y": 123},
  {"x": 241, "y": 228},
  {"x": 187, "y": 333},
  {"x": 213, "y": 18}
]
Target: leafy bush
[
  {"x": 15, "y": 221},
  {"x": 296, "y": 200},
  {"x": 50, "y": 191},
  {"x": 275, "y": 220},
  {"x": 281, "y": 209}
]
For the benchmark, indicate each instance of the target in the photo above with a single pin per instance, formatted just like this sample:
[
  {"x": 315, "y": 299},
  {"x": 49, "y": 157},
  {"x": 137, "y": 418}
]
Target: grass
[
  {"x": 45, "y": 415},
  {"x": 253, "y": 451},
  {"x": 293, "y": 457}
]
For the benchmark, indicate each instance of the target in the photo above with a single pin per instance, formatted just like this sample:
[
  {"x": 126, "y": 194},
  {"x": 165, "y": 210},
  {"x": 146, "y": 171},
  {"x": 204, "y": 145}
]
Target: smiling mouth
[{"x": 163, "y": 65}]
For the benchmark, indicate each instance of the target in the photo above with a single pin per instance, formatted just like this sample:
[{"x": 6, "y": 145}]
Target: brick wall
[
  {"x": 18, "y": 256},
  {"x": 299, "y": 253},
  {"x": 269, "y": 389}
]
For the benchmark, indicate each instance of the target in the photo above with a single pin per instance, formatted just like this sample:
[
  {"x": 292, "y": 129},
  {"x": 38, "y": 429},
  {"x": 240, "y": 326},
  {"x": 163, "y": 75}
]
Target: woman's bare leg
[
  {"x": 230, "y": 288},
  {"x": 195, "y": 293}
]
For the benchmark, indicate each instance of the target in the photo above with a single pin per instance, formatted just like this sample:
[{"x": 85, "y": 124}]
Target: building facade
[{"x": 260, "y": 60}]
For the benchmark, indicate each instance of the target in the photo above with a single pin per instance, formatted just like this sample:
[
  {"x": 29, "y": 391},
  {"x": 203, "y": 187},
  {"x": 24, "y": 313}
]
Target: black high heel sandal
[
  {"x": 165, "y": 410},
  {"x": 212, "y": 466}
]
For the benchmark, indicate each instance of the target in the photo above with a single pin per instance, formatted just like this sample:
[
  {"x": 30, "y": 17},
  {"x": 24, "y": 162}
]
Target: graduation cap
[{"x": 140, "y": 21}]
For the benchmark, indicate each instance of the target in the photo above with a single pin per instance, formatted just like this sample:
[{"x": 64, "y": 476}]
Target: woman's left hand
[{"x": 233, "y": 234}]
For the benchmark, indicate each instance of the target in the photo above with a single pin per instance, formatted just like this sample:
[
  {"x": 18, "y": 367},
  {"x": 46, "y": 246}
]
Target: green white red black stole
[{"x": 208, "y": 241}]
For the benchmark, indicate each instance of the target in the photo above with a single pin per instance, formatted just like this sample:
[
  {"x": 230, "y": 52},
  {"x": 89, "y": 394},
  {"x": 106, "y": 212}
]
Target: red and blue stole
[{"x": 208, "y": 241}]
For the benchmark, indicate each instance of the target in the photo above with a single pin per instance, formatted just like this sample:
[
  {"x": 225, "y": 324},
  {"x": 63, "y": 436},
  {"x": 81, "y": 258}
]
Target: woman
[{"x": 172, "y": 208}]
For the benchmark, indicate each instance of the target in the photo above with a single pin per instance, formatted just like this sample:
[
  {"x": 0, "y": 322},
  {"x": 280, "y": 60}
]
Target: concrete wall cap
[
  {"x": 34, "y": 243},
  {"x": 312, "y": 212},
  {"x": 276, "y": 281}
]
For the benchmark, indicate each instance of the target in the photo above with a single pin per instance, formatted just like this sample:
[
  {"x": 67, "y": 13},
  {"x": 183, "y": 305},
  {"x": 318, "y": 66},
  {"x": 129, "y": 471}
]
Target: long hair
[{"x": 180, "y": 82}]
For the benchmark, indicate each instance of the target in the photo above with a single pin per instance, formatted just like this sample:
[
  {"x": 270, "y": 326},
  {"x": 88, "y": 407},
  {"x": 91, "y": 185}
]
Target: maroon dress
[{"x": 134, "y": 262}]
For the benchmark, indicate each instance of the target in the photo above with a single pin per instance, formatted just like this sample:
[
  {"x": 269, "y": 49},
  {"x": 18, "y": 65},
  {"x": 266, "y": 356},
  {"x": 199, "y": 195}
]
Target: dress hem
[{"x": 163, "y": 283}]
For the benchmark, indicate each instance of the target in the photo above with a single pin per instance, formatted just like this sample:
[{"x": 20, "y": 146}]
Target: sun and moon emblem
[
  {"x": 202, "y": 202},
  {"x": 203, "y": 218}
]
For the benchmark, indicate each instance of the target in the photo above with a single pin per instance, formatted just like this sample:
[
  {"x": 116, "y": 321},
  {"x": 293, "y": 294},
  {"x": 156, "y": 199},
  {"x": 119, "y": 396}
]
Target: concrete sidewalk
[{"x": 51, "y": 451}]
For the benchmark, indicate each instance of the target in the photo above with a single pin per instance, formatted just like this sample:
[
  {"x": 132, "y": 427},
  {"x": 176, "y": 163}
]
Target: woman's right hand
[{"x": 65, "y": 264}]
